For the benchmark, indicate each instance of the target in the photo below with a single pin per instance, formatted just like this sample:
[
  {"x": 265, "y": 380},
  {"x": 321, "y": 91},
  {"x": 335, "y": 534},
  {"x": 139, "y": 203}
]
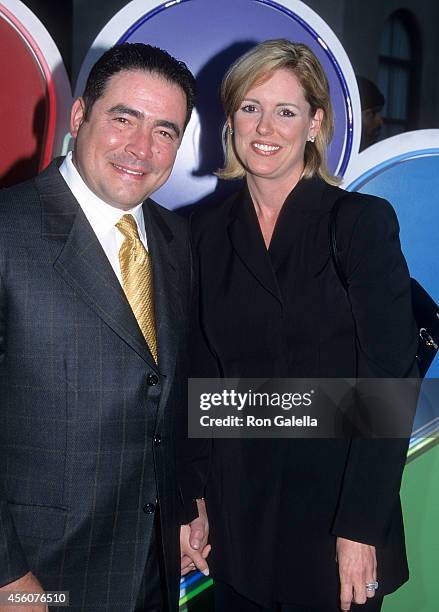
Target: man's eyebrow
[
  {"x": 126, "y": 110},
  {"x": 170, "y": 125}
]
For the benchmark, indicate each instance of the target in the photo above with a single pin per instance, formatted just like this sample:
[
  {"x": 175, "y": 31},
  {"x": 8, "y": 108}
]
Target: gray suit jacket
[{"x": 88, "y": 422}]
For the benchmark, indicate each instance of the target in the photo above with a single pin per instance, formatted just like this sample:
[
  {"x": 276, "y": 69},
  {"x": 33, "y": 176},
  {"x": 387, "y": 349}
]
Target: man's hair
[
  {"x": 370, "y": 95},
  {"x": 138, "y": 56}
]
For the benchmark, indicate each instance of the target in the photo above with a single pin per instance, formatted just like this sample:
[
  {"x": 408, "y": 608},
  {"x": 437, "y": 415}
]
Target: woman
[{"x": 299, "y": 525}]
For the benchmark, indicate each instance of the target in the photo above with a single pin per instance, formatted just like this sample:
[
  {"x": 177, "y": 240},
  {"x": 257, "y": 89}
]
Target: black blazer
[
  {"x": 276, "y": 506},
  {"x": 88, "y": 422}
]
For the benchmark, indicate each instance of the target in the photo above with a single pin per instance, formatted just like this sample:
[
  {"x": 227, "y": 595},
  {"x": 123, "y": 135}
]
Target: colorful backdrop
[{"x": 209, "y": 34}]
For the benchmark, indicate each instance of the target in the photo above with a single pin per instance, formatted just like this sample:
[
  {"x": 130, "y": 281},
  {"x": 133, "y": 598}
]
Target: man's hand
[
  {"x": 193, "y": 542},
  {"x": 26, "y": 584},
  {"x": 357, "y": 566}
]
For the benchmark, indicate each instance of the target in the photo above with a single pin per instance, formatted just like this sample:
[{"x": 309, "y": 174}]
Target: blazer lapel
[
  {"x": 299, "y": 226},
  {"x": 247, "y": 240},
  {"x": 82, "y": 262},
  {"x": 167, "y": 293}
]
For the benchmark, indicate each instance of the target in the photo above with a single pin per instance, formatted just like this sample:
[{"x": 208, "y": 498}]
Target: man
[
  {"x": 372, "y": 102},
  {"x": 94, "y": 299}
]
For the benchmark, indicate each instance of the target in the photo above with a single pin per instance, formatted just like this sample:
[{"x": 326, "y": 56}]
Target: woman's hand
[
  {"x": 357, "y": 566},
  {"x": 194, "y": 548}
]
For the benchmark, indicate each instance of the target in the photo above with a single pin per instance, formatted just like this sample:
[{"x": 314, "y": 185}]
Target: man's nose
[{"x": 140, "y": 144}]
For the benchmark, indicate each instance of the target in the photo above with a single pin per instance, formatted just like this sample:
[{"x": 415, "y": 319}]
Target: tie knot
[{"x": 128, "y": 226}]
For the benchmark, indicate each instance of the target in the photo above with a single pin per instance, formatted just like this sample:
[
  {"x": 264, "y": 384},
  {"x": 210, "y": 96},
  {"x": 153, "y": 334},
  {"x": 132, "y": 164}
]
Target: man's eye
[
  {"x": 249, "y": 108},
  {"x": 122, "y": 120},
  {"x": 166, "y": 134}
]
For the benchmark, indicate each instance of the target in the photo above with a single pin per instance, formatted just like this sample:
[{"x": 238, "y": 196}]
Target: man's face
[
  {"x": 126, "y": 148},
  {"x": 372, "y": 125}
]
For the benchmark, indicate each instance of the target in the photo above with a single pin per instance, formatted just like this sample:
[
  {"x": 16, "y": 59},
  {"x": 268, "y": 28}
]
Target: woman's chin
[{"x": 263, "y": 171}]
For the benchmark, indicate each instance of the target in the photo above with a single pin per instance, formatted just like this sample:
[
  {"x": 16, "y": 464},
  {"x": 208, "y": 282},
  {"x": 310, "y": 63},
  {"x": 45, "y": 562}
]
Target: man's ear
[{"x": 77, "y": 116}]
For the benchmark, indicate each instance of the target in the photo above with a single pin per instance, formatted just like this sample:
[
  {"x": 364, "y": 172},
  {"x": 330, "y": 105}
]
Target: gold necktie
[{"x": 136, "y": 269}]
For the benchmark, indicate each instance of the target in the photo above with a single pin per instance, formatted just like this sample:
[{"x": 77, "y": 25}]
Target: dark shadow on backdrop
[
  {"x": 211, "y": 116},
  {"x": 27, "y": 167}
]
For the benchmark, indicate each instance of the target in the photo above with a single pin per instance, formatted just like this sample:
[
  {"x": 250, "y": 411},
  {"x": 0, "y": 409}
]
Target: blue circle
[{"x": 215, "y": 34}]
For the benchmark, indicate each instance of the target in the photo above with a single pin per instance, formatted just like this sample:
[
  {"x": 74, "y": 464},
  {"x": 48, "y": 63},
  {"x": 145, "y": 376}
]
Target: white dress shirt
[{"x": 101, "y": 216}]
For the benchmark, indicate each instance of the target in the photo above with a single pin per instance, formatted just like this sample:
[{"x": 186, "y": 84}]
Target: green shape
[
  {"x": 420, "y": 502},
  {"x": 194, "y": 592}
]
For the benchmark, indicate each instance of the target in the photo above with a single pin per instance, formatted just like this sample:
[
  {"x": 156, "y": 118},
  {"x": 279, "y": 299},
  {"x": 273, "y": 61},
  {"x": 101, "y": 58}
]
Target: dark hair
[
  {"x": 138, "y": 56},
  {"x": 370, "y": 95}
]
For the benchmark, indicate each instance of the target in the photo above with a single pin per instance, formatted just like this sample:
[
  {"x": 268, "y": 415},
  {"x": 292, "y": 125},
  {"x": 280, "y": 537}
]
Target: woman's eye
[
  {"x": 286, "y": 112},
  {"x": 249, "y": 108}
]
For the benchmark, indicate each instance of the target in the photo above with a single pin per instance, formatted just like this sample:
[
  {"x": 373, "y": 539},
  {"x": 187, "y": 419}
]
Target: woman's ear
[{"x": 316, "y": 123}]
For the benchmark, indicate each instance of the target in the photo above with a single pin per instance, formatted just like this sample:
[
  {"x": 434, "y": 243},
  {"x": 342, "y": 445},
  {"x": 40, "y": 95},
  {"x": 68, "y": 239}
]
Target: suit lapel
[
  {"x": 299, "y": 233},
  {"x": 247, "y": 240},
  {"x": 166, "y": 290},
  {"x": 82, "y": 263},
  {"x": 167, "y": 294}
]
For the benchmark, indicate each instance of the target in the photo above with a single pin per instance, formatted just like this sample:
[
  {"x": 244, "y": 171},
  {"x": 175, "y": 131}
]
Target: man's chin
[{"x": 125, "y": 200}]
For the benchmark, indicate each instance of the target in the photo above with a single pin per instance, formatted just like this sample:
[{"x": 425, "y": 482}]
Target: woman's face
[{"x": 272, "y": 125}]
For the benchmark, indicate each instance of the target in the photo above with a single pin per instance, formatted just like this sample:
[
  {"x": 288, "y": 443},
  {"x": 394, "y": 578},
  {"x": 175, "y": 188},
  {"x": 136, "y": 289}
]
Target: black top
[{"x": 276, "y": 506}]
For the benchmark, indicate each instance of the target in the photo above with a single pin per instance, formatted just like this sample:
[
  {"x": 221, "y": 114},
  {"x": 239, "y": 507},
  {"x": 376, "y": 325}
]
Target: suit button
[
  {"x": 149, "y": 508},
  {"x": 152, "y": 380},
  {"x": 157, "y": 440}
]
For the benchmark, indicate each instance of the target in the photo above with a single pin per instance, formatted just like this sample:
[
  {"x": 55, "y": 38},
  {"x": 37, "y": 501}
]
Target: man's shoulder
[
  {"x": 22, "y": 204},
  {"x": 18, "y": 198},
  {"x": 25, "y": 189},
  {"x": 168, "y": 216},
  {"x": 173, "y": 226},
  {"x": 18, "y": 201}
]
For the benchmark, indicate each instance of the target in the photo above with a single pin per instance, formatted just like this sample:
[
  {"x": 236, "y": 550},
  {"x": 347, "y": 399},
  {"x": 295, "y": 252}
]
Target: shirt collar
[{"x": 101, "y": 215}]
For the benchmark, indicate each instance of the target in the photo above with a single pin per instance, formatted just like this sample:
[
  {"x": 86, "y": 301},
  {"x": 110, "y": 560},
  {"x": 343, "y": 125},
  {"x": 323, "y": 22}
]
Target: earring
[
  {"x": 311, "y": 138},
  {"x": 231, "y": 131}
]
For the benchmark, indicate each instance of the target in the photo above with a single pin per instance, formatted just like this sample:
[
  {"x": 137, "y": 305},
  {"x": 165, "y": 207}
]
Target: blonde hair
[{"x": 257, "y": 65}]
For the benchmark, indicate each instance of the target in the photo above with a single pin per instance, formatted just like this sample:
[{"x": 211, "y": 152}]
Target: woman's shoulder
[
  {"x": 362, "y": 208},
  {"x": 364, "y": 222},
  {"x": 212, "y": 217}
]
